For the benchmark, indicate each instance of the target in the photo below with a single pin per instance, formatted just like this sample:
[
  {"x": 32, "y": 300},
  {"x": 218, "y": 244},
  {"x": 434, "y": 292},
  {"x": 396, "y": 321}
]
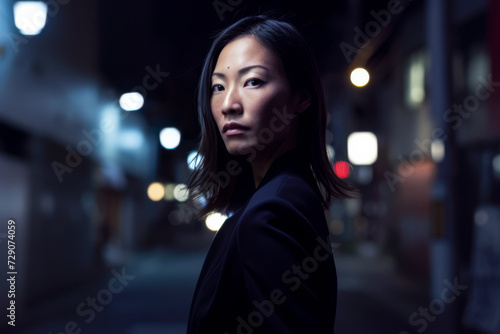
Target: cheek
[
  {"x": 213, "y": 110},
  {"x": 212, "y": 106},
  {"x": 275, "y": 97},
  {"x": 266, "y": 105}
]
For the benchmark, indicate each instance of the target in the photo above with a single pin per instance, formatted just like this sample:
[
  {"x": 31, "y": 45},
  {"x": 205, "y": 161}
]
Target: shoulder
[
  {"x": 280, "y": 226},
  {"x": 287, "y": 205},
  {"x": 289, "y": 191}
]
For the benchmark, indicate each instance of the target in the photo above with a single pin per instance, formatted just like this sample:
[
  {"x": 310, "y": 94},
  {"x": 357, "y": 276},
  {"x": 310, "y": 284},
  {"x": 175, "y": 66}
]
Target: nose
[{"x": 232, "y": 103}]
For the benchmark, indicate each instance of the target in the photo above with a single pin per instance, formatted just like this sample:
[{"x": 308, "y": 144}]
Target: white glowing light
[
  {"x": 181, "y": 193},
  {"x": 215, "y": 220},
  {"x": 416, "y": 80},
  {"x": 496, "y": 163},
  {"x": 330, "y": 151},
  {"x": 362, "y": 148},
  {"x": 360, "y": 77},
  {"x": 131, "y": 139},
  {"x": 30, "y": 16},
  {"x": 193, "y": 160},
  {"x": 131, "y": 101},
  {"x": 170, "y": 138},
  {"x": 437, "y": 150},
  {"x": 109, "y": 125}
]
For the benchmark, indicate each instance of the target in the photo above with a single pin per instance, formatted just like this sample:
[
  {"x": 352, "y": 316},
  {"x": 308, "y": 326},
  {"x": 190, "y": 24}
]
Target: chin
[{"x": 240, "y": 149}]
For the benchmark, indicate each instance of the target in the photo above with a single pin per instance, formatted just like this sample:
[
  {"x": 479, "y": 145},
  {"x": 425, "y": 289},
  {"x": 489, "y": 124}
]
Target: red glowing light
[{"x": 342, "y": 169}]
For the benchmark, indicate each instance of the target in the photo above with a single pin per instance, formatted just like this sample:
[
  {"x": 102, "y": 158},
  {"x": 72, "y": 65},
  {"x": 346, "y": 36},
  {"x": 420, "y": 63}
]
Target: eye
[
  {"x": 217, "y": 88},
  {"x": 253, "y": 82}
]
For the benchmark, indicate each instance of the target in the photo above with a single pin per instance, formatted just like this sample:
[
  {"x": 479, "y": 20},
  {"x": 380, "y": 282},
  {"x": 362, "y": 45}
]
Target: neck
[
  {"x": 259, "y": 170},
  {"x": 261, "y": 164}
]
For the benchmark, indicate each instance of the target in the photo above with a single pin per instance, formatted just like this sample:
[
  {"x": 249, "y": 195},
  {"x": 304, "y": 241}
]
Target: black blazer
[{"x": 270, "y": 267}]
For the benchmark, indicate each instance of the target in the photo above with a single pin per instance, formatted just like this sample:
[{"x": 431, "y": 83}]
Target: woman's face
[{"x": 251, "y": 99}]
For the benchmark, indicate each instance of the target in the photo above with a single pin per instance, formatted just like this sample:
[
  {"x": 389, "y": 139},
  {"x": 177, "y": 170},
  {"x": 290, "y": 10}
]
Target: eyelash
[
  {"x": 214, "y": 86},
  {"x": 255, "y": 79},
  {"x": 258, "y": 82}
]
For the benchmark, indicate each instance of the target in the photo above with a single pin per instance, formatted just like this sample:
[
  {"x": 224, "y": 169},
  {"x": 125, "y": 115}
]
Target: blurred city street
[
  {"x": 373, "y": 298},
  {"x": 100, "y": 132}
]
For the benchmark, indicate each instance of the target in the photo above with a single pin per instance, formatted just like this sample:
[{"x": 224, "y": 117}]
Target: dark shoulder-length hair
[{"x": 225, "y": 181}]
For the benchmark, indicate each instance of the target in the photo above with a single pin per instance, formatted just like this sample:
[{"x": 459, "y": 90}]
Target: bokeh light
[
  {"x": 215, "y": 220},
  {"x": 30, "y": 16},
  {"x": 342, "y": 169},
  {"x": 437, "y": 150},
  {"x": 156, "y": 191},
  {"x": 181, "y": 193},
  {"x": 330, "y": 151},
  {"x": 131, "y": 101},
  {"x": 169, "y": 191},
  {"x": 496, "y": 166},
  {"x": 194, "y": 160},
  {"x": 362, "y": 148},
  {"x": 170, "y": 138},
  {"x": 360, "y": 77}
]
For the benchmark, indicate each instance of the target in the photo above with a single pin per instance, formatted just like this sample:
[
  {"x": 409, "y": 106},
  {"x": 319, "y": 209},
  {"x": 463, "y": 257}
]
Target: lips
[{"x": 233, "y": 128}]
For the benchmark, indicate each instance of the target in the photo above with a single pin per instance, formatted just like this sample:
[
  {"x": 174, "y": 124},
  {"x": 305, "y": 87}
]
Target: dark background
[{"x": 77, "y": 190}]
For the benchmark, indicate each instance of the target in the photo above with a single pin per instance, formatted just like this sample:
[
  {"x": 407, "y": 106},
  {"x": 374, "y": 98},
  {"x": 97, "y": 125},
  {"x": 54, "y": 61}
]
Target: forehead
[{"x": 245, "y": 51}]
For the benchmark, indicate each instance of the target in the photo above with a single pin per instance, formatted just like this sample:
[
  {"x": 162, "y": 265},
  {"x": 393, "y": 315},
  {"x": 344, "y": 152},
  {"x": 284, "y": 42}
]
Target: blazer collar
[{"x": 290, "y": 162}]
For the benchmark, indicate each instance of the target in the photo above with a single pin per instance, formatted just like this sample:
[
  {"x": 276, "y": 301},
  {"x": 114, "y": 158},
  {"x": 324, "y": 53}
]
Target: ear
[{"x": 303, "y": 100}]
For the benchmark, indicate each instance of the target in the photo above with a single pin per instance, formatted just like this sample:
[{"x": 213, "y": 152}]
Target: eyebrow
[{"x": 241, "y": 71}]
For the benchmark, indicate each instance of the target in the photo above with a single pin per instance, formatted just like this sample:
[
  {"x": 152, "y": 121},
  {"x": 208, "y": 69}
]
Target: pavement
[{"x": 150, "y": 292}]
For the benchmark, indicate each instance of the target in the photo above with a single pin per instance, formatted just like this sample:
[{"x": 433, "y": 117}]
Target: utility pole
[{"x": 443, "y": 260}]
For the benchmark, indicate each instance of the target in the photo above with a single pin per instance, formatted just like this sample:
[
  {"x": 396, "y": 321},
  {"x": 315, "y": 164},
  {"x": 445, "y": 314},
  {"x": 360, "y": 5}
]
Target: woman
[{"x": 270, "y": 267}]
